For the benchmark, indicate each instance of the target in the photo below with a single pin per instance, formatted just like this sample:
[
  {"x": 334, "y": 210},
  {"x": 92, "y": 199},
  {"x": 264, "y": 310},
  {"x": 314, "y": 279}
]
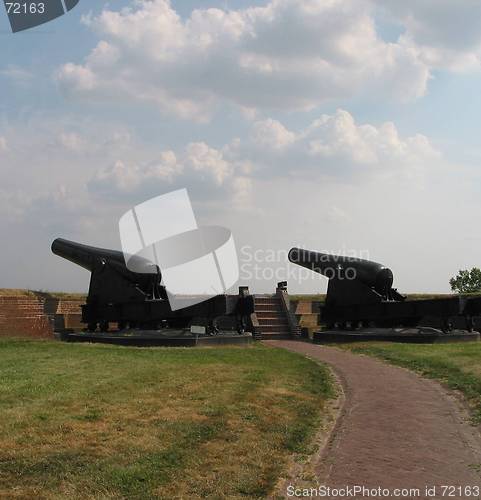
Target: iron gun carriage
[
  {"x": 360, "y": 294},
  {"x": 139, "y": 300}
]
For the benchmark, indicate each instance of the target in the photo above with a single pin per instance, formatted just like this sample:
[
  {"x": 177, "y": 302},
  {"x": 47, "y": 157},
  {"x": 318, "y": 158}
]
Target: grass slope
[
  {"x": 457, "y": 365},
  {"x": 93, "y": 421},
  {"x": 20, "y": 292}
]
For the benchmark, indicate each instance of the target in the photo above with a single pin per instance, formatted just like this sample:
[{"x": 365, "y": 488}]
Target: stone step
[
  {"x": 276, "y": 336},
  {"x": 263, "y": 309},
  {"x": 273, "y": 322},
  {"x": 273, "y": 329}
]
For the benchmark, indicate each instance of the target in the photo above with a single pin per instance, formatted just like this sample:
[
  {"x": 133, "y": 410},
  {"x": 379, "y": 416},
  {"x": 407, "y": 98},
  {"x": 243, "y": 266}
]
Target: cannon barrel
[
  {"x": 89, "y": 257},
  {"x": 84, "y": 255},
  {"x": 370, "y": 273}
]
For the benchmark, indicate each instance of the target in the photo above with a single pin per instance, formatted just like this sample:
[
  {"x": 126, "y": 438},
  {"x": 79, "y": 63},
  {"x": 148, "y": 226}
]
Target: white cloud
[
  {"x": 123, "y": 178},
  {"x": 208, "y": 162},
  {"x": 17, "y": 74},
  {"x": 55, "y": 209},
  {"x": 272, "y": 134},
  {"x": 71, "y": 140},
  {"x": 333, "y": 149},
  {"x": 335, "y": 146},
  {"x": 289, "y": 54},
  {"x": 338, "y": 136},
  {"x": 200, "y": 166},
  {"x": 48, "y": 162},
  {"x": 335, "y": 182},
  {"x": 443, "y": 33},
  {"x": 106, "y": 161},
  {"x": 78, "y": 78}
]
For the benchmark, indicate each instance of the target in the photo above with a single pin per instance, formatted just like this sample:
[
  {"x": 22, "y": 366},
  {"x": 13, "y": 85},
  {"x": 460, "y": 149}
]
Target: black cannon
[
  {"x": 138, "y": 299},
  {"x": 360, "y": 294}
]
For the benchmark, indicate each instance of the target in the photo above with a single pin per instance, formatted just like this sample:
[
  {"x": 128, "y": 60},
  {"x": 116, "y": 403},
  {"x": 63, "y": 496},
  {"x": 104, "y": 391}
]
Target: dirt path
[{"x": 396, "y": 429}]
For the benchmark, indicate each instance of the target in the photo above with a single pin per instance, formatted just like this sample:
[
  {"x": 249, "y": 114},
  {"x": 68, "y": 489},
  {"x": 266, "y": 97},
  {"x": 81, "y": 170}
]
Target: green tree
[{"x": 466, "y": 281}]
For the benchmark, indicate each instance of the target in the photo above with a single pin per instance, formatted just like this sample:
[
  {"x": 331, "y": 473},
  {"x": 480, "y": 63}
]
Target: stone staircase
[{"x": 273, "y": 323}]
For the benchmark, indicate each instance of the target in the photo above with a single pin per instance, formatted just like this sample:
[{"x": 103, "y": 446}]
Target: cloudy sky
[{"x": 336, "y": 125}]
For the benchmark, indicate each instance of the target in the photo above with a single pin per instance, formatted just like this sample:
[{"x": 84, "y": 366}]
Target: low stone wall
[
  {"x": 37, "y": 315},
  {"x": 66, "y": 313},
  {"x": 307, "y": 314}
]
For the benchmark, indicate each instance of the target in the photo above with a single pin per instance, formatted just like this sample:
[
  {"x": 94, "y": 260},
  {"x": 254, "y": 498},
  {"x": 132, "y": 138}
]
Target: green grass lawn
[
  {"x": 457, "y": 365},
  {"x": 97, "y": 421}
]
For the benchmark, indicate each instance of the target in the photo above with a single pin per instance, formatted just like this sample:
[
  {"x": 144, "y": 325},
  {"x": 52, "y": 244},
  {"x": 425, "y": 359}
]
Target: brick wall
[
  {"x": 37, "y": 315},
  {"x": 24, "y": 316}
]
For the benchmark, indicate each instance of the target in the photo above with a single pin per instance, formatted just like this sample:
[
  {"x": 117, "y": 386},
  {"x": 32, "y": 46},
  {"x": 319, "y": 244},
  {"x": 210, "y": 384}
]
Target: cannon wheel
[
  {"x": 447, "y": 325},
  {"x": 212, "y": 328},
  {"x": 241, "y": 325},
  {"x": 469, "y": 324}
]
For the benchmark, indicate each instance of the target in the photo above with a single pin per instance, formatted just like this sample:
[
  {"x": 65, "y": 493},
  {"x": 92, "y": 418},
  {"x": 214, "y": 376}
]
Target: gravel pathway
[{"x": 396, "y": 430}]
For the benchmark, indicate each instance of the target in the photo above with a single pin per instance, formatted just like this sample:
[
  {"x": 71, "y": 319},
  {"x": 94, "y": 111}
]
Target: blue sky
[
  {"x": 450, "y": 109},
  {"x": 340, "y": 124}
]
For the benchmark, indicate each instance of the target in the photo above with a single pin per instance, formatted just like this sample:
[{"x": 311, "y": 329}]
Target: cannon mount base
[
  {"x": 166, "y": 337},
  {"x": 418, "y": 335}
]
